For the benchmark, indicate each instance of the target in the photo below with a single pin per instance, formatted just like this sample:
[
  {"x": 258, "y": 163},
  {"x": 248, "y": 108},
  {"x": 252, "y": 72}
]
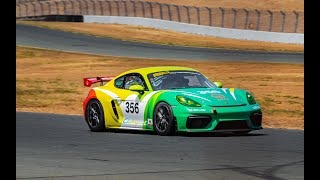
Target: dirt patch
[
  {"x": 51, "y": 81},
  {"x": 151, "y": 35}
]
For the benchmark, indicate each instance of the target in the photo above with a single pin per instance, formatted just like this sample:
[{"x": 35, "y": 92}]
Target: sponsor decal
[
  {"x": 129, "y": 121},
  {"x": 255, "y": 107},
  {"x": 196, "y": 110},
  {"x": 158, "y": 78},
  {"x": 150, "y": 122},
  {"x": 209, "y": 92},
  {"x": 156, "y": 83},
  {"x": 184, "y": 72},
  {"x": 219, "y": 97},
  {"x": 160, "y": 73}
]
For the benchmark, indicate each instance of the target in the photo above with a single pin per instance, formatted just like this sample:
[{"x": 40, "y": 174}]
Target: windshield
[{"x": 178, "y": 79}]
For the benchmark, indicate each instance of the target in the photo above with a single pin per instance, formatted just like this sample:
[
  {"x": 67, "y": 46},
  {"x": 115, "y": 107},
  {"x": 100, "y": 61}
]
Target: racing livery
[{"x": 169, "y": 99}]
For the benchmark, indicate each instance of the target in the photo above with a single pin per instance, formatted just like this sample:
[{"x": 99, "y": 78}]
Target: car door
[{"x": 133, "y": 103}]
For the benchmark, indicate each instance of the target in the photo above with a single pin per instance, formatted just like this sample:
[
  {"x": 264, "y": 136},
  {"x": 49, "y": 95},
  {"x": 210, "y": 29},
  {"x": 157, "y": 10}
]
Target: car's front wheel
[
  {"x": 95, "y": 116},
  {"x": 163, "y": 123}
]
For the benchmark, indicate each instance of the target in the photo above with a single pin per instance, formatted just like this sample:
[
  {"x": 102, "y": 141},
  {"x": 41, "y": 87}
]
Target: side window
[
  {"x": 133, "y": 80},
  {"x": 119, "y": 82}
]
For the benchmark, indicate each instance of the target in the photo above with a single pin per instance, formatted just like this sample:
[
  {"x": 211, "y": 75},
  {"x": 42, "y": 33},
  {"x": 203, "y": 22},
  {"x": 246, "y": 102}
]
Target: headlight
[
  {"x": 251, "y": 99},
  {"x": 187, "y": 102}
]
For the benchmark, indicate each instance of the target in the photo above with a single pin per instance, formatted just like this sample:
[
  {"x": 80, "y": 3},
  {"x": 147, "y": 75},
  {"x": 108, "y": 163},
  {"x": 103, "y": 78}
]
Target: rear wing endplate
[{"x": 89, "y": 81}]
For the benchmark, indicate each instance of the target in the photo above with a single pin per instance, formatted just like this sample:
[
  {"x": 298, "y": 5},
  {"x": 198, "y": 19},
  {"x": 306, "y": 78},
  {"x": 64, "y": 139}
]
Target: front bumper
[{"x": 226, "y": 119}]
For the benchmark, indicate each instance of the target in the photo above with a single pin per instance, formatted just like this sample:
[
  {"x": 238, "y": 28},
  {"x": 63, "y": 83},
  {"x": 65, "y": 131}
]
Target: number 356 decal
[{"x": 132, "y": 107}]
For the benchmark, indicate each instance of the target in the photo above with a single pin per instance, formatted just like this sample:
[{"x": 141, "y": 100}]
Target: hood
[{"x": 215, "y": 97}]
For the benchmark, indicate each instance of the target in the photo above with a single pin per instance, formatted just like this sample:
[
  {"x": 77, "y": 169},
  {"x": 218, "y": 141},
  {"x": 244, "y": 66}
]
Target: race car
[{"x": 166, "y": 100}]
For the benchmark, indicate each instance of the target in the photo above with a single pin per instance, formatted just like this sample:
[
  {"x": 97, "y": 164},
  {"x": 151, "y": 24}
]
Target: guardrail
[
  {"x": 258, "y": 20},
  {"x": 292, "y": 38}
]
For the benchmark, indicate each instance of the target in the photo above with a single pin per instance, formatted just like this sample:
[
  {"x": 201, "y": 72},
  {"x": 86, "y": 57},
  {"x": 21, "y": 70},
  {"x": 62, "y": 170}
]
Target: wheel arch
[
  {"x": 173, "y": 120},
  {"x": 161, "y": 96},
  {"x": 86, "y": 104},
  {"x": 96, "y": 116},
  {"x": 90, "y": 96}
]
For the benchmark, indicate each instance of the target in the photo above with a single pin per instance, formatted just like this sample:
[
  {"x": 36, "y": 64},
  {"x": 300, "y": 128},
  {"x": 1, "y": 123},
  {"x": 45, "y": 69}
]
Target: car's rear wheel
[
  {"x": 163, "y": 123},
  {"x": 95, "y": 116}
]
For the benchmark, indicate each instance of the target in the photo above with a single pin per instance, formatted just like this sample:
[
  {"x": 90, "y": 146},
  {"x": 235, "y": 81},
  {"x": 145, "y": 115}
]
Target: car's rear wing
[{"x": 89, "y": 81}]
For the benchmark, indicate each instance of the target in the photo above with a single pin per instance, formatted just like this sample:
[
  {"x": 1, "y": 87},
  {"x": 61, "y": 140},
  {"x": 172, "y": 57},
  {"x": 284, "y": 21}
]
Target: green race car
[{"x": 169, "y": 99}]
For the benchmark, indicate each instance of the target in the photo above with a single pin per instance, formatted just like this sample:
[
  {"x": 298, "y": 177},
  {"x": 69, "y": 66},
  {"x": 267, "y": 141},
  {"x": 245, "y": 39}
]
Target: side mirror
[
  {"x": 218, "y": 84},
  {"x": 137, "y": 88}
]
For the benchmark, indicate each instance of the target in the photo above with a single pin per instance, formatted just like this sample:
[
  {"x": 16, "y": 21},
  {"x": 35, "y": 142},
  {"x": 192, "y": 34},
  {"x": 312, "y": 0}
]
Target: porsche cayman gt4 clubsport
[{"x": 169, "y": 99}]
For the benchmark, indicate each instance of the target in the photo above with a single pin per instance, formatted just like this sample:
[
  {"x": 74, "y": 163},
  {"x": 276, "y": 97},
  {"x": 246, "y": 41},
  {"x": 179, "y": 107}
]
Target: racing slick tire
[
  {"x": 163, "y": 122},
  {"x": 95, "y": 116}
]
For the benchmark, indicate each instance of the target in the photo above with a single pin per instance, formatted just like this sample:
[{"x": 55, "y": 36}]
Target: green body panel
[{"x": 228, "y": 108}]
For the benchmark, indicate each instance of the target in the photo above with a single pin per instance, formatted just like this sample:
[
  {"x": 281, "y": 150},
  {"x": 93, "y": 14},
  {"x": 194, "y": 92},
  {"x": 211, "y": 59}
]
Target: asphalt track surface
[
  {"x": 50, "y": 146},
  {"x": 66, "y": 41}
]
